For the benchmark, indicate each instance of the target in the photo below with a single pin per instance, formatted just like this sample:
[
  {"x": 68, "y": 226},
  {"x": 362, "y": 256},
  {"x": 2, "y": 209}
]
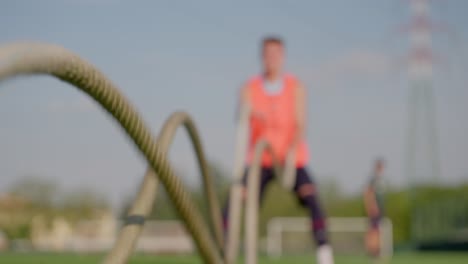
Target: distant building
[{"x": 53, "y": 230}]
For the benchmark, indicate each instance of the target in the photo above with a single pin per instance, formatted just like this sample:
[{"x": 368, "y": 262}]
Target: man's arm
[
  {"x": 242, "y": 101},
  {"x": 245, "y": 101},
  {"x": 301, "y": 112}
]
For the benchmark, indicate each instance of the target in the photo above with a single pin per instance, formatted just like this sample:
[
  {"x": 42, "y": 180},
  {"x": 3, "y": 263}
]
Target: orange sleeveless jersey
[{"x": 273, "y": 117}]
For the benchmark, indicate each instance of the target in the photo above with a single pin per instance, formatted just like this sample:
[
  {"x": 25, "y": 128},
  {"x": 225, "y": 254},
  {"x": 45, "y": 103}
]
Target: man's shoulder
[
  {"x": 293, "y": 80},
  {"x": 254, "y": 79},
  {"x": 251, "y": 83},
  {"x": 291, "y": 76}
]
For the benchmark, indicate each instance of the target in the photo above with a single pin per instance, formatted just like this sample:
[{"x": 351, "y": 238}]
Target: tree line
[{"x": 400, "y": 203}]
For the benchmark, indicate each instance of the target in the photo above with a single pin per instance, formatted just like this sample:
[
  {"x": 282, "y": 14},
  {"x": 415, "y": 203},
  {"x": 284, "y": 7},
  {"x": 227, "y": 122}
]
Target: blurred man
[
  {"x": 373, "y": 202},
  {"x": 278, "y": 114}
]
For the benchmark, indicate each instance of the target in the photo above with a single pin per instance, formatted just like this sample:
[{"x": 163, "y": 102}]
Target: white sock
[{"x": 324, "y": 254}]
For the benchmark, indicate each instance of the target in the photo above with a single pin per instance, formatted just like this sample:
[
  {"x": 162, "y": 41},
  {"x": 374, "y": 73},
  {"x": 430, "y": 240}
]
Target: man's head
[
  {"x": 272, "y": 55},
  {"x": 379, "y": 166}
]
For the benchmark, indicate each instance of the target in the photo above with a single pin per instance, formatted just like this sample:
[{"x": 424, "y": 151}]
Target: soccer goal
[{"x": 291, "y": 235}]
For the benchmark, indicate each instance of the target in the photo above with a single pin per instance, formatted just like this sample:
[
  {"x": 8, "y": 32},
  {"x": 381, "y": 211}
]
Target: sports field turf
[{"x": 413, "y": 258}]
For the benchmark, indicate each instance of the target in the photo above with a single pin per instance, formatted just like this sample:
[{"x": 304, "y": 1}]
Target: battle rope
[
  {"x": 26, "y": 59},
  {"x": 252, "y": 192},
  {"x": 146, "y": 196}
]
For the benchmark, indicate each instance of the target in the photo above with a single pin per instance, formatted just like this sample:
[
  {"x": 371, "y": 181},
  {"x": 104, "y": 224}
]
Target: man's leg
[
  {"x": 306, "y": 192},
  {"x": 373, "y": 237},
  {"x": 266, "y": 175}
]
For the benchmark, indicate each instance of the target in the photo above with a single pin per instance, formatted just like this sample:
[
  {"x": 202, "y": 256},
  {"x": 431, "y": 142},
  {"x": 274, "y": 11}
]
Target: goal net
[{"x": 291, "y": 236}]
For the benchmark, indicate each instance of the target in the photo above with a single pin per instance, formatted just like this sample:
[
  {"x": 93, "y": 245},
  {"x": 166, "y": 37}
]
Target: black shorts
[
  {"x": 375, "y": 221},
  {"x": 267, "y": 175}
]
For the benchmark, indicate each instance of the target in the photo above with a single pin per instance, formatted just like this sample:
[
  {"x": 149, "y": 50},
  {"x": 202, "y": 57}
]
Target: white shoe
[{"x": 325, "y": 254}]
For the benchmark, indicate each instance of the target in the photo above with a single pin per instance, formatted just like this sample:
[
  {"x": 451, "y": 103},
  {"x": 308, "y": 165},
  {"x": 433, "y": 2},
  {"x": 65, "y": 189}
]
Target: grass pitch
[{"x": 410, "y": 258}]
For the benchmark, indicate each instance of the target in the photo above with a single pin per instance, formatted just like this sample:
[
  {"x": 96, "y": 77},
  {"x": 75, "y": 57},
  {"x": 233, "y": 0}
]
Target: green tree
[{"x": 39, "y": 191}]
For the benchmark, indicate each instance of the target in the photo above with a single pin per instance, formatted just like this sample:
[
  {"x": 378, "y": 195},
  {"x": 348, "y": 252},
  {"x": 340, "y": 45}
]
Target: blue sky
[{"x": 174, "y": 55}]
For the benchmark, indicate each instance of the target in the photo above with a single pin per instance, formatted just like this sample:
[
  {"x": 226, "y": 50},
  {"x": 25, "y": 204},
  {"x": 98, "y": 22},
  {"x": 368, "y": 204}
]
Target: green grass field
[{"x": 410, "y": 258}]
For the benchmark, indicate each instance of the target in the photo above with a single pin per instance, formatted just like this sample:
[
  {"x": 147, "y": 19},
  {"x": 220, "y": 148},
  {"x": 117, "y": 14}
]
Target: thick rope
[
  {"x": 235, "y": 192},
  {"x": 28, "y": 59},
  {"x": 252, "y": 203},
  {"x": 146, "y": 196},
  {"x": 285, "y": 174}
]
